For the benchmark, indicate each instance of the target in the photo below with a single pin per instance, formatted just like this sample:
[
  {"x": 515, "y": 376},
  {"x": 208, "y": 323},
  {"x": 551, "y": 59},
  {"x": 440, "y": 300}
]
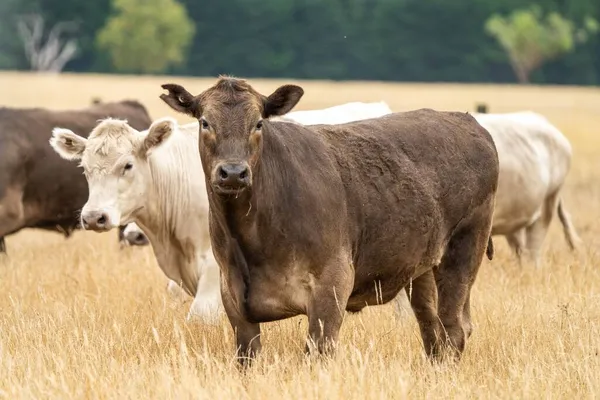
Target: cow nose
[
  {"x": 136, "y": 239},
  {"x": 95, "y": 221},
  {"x": 233, "y": 176}
]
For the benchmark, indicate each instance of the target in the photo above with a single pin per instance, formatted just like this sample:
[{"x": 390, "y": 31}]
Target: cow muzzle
[
  {"x": 136, "y": 238},
  {"x": 231, "y": 178},
  {"x": 98, "y": 221}
]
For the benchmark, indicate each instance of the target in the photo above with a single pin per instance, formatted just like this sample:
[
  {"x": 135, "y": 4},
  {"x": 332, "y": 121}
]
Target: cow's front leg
[
  {"x": 247, "y": 334},
  {"x": 207, "y": 305},
  {"x": 327, "y": 306}
]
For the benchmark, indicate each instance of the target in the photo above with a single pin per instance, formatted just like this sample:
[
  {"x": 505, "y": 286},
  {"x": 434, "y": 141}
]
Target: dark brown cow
[
  {"x": 317, "y": 220},
  {"x": 38, "y": 189}
]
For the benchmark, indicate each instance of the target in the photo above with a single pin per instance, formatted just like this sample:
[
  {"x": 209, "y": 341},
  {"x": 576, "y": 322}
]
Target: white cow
[
  {"x": 134, "y": 178},
  {"x": 535, "y": 158},
  {"x": 144, "y": 178}
]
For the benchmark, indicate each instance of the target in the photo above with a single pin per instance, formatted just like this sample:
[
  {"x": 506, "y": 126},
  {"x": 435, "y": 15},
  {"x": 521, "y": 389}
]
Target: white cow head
[{"x": 115, "y": 163}]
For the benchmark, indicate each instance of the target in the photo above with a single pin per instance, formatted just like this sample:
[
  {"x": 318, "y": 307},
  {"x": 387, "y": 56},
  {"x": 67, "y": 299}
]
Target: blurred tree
[
  {"x": 530, "y": 41},
  {"x": 11, "y": 48},
  {"x": 50, "y": 55},
  {"x": 146, "y": 36}
]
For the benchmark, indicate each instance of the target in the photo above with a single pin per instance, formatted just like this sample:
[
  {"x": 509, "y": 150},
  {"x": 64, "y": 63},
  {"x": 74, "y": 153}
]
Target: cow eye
[
  {"x": 204, "y": 124},
  {"x": 128, "y": 166},
  {"x": 259, "y": 125}
]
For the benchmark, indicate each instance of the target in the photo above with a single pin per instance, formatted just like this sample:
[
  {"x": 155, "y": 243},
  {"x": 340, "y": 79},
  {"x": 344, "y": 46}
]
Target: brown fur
[
  {"x": 50, "y": 190},
  {"x": 340, "y": 217}
]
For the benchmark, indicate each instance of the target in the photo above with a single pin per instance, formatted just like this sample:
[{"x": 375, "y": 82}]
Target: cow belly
[{"x": 373, "y": 293}]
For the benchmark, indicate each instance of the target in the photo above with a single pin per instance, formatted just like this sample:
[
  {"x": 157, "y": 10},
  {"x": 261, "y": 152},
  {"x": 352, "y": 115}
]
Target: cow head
[
  {"x": 231, "y": 115},
  {"x": 115, "y": 163}
]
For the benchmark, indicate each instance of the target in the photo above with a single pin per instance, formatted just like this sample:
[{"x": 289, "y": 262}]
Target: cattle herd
[{"x": 264, "y": 213}]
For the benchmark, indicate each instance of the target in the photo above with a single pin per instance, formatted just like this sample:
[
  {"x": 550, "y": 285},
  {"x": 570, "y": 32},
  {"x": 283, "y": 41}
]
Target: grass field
[{"x": 80, "y": 318}]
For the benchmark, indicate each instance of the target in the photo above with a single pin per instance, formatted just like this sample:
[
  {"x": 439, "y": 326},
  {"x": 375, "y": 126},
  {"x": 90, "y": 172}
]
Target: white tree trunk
[{"x": 55, "y": 53}]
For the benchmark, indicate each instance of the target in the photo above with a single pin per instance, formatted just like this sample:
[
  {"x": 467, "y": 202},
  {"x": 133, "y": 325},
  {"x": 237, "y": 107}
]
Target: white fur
[{"x": 339, "y": 114}]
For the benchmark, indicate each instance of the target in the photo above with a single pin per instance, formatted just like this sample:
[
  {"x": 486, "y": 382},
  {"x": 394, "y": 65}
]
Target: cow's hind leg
[
  {"x": 455, "y": 277},
  {"x": 327, "y": 306},
  {"x": 536, "y": 232},
  {"x": 423, "y": 300},
  {"x": 516, "y": 241}
]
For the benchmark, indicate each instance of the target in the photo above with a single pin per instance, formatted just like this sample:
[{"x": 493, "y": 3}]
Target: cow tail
[
  {"x": 489, "y": 251},
  {"x": 568, "y": 228}
]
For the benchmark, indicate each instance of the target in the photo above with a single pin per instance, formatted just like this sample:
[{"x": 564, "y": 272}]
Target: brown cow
[
  {"x": 38, "y": 189},
  {"x": 316, "y": 220}
]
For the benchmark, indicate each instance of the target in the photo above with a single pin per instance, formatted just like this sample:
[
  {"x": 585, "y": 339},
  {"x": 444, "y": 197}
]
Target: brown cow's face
[
  {"x": 115, "y": 163},
  {"x": 231, "y": 116}
]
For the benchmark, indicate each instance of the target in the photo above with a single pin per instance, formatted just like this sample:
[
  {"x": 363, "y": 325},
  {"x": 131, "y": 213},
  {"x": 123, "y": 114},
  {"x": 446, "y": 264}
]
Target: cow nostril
[
  {"x": 139, "y": 237},
  {"x": 244, "y": 174},
  {"x": 222, "y": 173},
  {"x": 102, "y": 220}
]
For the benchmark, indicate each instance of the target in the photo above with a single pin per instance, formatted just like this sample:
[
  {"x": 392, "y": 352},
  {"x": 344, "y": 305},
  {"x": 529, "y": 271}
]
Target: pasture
[{"x": 80, "y": 318}]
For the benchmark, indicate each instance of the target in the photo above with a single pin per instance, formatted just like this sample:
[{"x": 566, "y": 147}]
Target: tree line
[{"x": 543, "y": 41}]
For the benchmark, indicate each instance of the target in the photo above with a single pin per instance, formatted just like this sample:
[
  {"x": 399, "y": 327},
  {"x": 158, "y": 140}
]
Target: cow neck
[{"x": 170, "y": 207}]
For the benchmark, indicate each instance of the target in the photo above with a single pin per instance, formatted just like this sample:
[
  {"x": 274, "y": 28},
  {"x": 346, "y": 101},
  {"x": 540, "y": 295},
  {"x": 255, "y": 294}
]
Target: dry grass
[{"x": 81, "y": 319}]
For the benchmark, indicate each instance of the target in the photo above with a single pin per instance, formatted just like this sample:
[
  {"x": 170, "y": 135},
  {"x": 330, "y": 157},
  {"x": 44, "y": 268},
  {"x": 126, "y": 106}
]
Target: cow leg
[
  {"x": 247, "y": 334},
  {"x": 423, "y": 300},
  {"x": 454, "y": 279},
  {"x": 207, "y": 304},
  {"x": 2, "y": 245},
  {"x": 327, "y": 307},
  {"x": 516, "y": 241},
  {"x": 12, "y": 214},
  {"x": 536, "y": 232}
]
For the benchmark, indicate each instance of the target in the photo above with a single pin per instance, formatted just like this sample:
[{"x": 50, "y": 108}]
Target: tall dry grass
[{"x": 80, "y": 318}]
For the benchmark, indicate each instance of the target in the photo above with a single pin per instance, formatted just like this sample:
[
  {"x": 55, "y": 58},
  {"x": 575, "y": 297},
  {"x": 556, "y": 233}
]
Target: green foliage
[
  {"x": 530, "y": 40},
  {"x": 401, "y": 40},
  {"x": 146, "y": 36}
]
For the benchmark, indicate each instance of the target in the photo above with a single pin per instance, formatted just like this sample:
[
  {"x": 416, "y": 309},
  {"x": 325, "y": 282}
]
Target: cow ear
[
  {"x": 67, "y": 144},
  {"x": 158, "y": 133},
  {"x": 180, "y": 99},
  {"x": 282, "y": 100}
]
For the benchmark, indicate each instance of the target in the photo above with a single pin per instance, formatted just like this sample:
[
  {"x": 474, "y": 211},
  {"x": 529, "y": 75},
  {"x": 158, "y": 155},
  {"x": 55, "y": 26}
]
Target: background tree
[
  {"x": 530, "y": 41},
  {"x": 146, "y": 36},
  {"x": 48, "y": 55}
]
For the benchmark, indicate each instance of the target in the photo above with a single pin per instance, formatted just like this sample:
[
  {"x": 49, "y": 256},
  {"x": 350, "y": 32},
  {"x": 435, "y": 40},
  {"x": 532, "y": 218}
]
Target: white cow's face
[{"x": 115, "y": 163}]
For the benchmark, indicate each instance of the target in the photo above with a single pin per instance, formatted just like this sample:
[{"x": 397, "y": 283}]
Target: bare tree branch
[{"x": 52, "y": 55}]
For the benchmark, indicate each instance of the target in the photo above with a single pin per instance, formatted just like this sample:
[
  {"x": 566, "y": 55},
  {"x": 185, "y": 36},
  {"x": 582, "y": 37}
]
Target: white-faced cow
[
  {"x": 38, "y": 189},
  {"x": 316, "y": 220},
  {"x": 134, "y": 177}
]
